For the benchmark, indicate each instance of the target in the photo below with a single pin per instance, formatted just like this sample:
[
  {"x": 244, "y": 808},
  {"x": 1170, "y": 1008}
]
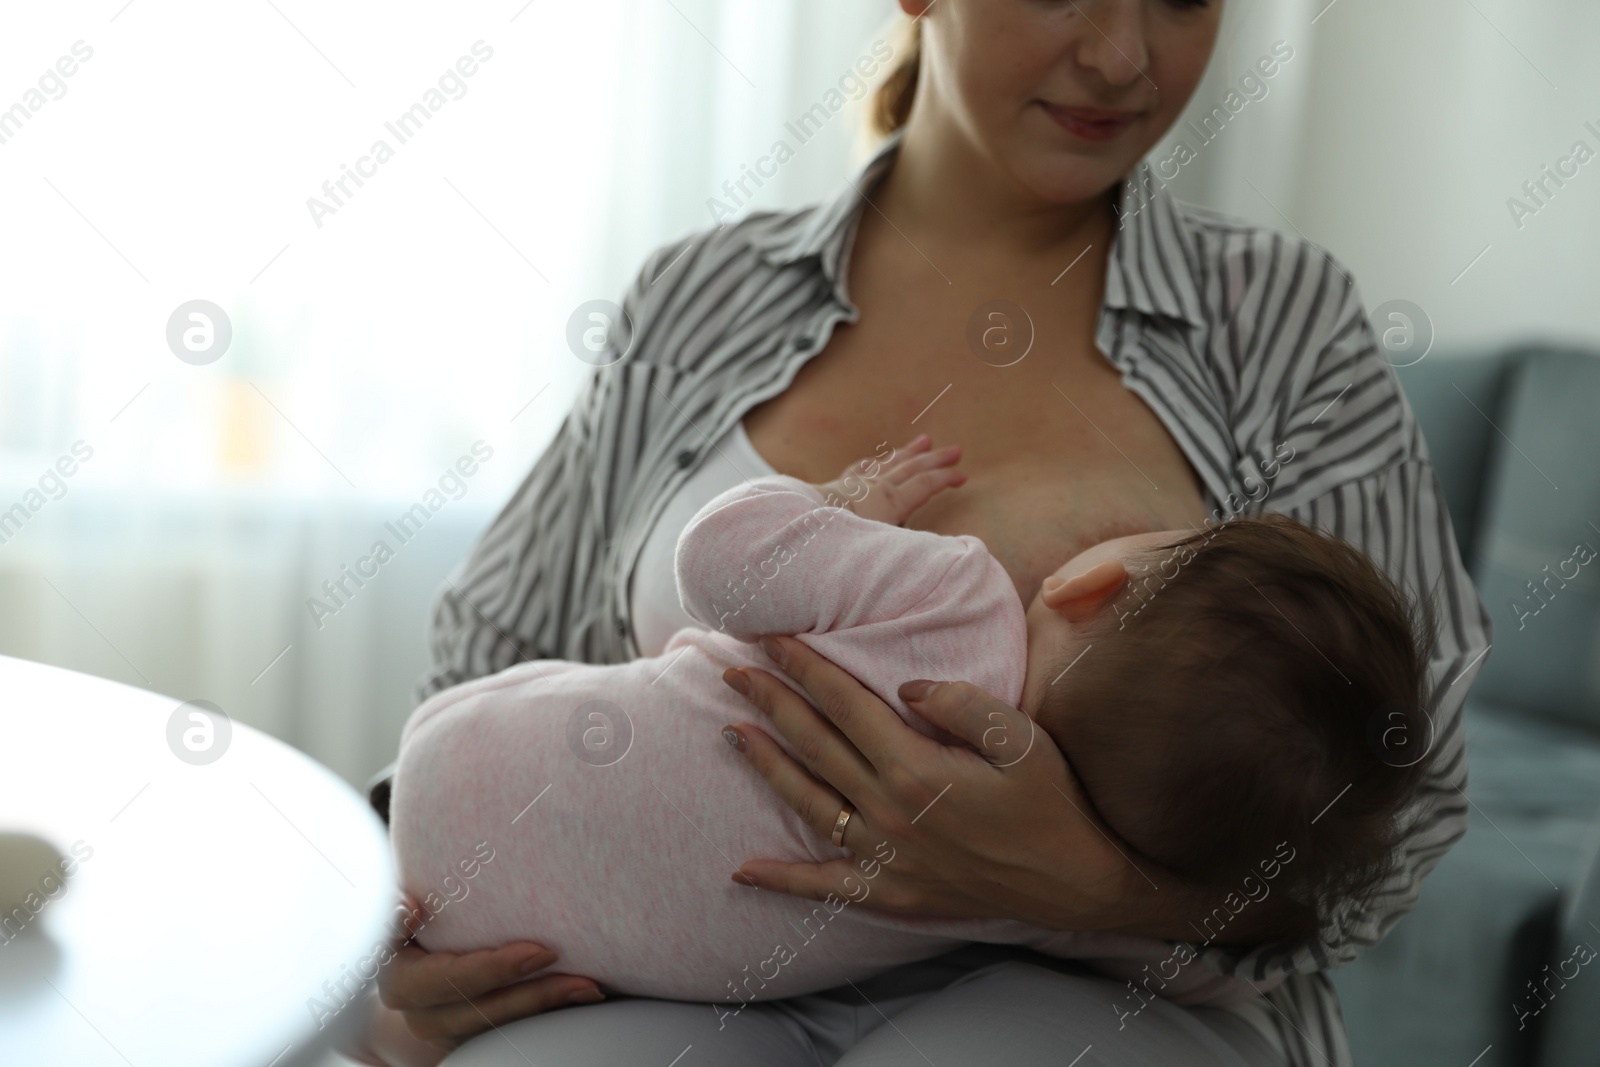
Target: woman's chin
[
  {"x": 1059, "y": 170},
  {"x": 1059, "y": 178}
]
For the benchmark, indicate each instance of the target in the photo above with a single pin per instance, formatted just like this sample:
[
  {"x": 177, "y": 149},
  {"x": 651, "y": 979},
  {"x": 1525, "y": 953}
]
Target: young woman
[{"x": 1151, "y": 364}]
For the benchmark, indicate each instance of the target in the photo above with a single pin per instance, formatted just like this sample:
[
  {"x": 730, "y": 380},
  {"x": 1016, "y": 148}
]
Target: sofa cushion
[
  {"x": 1438, "y": 990},
  {"x": 1533, "y": 771},
  {"x": 1539, "y": 542},
  {"x": 1569, "y": 1031},
  {"x": 1489, "y": 913}
]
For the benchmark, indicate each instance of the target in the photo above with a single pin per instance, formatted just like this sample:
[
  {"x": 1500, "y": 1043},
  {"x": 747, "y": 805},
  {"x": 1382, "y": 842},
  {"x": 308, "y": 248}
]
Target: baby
[{"x": 1221, "y": 693}]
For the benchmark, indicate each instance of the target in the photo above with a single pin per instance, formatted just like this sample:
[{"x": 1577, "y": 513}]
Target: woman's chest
[{"x": 1059, "y": 454}]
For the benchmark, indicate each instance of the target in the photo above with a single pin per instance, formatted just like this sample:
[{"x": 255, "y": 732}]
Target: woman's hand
[
  {"x": 889, "y": 488},
  {"x": 998, "y": 830},
  {"x": 447, "y": 998}
]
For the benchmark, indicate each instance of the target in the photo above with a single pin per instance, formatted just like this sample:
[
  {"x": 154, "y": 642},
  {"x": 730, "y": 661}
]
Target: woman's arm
[{"x": 509, "y": 600}]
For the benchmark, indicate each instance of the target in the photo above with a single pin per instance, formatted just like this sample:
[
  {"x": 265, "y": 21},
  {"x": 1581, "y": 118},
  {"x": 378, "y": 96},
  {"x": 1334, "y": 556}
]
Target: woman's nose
[{"x": 1112, "y": 39}]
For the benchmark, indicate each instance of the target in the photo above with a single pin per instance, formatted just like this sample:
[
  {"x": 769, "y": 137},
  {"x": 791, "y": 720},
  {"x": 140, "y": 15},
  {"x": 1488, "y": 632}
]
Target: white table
[{"x": 218, "y": 899}]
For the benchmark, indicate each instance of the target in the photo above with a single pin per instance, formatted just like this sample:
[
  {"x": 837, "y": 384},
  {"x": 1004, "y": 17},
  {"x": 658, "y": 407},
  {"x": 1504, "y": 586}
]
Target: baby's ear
[{"x": 1082, "y": 595}]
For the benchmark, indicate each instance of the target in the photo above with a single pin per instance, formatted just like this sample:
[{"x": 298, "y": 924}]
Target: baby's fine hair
[{"x": 1256, "y": 684}]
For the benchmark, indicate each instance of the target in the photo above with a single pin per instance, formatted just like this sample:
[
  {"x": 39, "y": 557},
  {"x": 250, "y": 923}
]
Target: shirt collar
[
  {"x": 824, "y": 230},
  {"x": 1151, "y": 268},
  {"x": 1153, "y": 260}
]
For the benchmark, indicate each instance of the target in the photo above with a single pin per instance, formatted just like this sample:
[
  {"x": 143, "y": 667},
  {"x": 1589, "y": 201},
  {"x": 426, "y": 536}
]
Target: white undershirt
[{"x": 653, "y": 589}]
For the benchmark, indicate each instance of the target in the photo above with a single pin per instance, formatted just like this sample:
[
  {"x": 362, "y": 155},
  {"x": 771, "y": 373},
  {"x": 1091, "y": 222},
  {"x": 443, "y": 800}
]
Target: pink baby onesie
[{"x": 615, "y": 813}]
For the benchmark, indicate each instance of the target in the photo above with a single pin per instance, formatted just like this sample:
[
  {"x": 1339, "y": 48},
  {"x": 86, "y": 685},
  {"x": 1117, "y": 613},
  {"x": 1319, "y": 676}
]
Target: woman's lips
[{"x": 1091, "y": 124}]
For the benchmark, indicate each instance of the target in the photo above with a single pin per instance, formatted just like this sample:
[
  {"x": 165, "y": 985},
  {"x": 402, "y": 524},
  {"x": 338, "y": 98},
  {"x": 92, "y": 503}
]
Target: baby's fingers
[
  {"x": 901, "y": 469},
  {"x": 920, "y": 488},
  {"x": 876, "y": 468}
]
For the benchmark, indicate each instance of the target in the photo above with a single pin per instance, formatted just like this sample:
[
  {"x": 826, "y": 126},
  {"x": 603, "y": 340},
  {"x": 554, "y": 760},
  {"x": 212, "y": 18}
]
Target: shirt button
[
  {"x": 622, "y": 628},
  {"x": 685, "y": 458},
  {"x": 802, "y": 344}
]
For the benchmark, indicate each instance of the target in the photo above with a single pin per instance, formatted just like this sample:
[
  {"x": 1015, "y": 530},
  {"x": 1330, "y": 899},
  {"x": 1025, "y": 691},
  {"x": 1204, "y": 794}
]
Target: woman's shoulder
[
  {"x": 1281, "y": 297},
  {"x": 754, "y": 240},
  {"x": 1259, "y": 295},
  {"x": 1260, "y": 256},
  {"x": 713, "y": 276},
  {"x": 1302, "y": 358}
]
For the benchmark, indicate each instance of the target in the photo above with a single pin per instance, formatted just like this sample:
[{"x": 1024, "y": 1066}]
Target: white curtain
[{"x": 369, "y": 352}]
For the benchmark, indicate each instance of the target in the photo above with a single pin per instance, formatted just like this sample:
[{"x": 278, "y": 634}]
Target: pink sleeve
[{"x": 770, "y": 557}]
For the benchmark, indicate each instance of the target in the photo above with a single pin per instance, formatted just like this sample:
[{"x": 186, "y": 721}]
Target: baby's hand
[{"x": 890, "y": 489}]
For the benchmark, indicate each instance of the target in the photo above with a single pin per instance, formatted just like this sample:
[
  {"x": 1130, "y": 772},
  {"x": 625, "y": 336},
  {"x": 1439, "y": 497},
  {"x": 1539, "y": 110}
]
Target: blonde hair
[{"x": 891, "y": 101}]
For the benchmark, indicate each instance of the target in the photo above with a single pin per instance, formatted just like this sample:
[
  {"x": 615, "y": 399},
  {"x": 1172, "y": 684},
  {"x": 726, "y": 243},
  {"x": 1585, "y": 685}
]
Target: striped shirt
[{"x": 1242, "y": 340}]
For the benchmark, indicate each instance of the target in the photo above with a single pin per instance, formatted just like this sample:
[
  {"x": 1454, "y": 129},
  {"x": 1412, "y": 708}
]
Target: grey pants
[{"x": 980, "y": 1005}]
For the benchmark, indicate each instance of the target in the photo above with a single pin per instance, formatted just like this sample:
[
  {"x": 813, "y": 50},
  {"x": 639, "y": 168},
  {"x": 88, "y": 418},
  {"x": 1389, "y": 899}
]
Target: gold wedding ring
[{"x": 840, "y": 823}]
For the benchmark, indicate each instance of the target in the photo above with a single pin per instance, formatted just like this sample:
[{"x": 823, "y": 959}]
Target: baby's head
[{"x": 1223, "y": 691}]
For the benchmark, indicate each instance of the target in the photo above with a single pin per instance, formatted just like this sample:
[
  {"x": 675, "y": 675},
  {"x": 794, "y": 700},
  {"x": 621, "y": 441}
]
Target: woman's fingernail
[
  {"x": 916, "y": 690},
  {"x": 736, "y": 681},
  {"x": 730, "y": 735},
  {"x": 535, "y": 960},
  {"x": 585, "y": 995},
  {"x": 773, "y": 648},
  {"x": 740, "y": 878}
]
